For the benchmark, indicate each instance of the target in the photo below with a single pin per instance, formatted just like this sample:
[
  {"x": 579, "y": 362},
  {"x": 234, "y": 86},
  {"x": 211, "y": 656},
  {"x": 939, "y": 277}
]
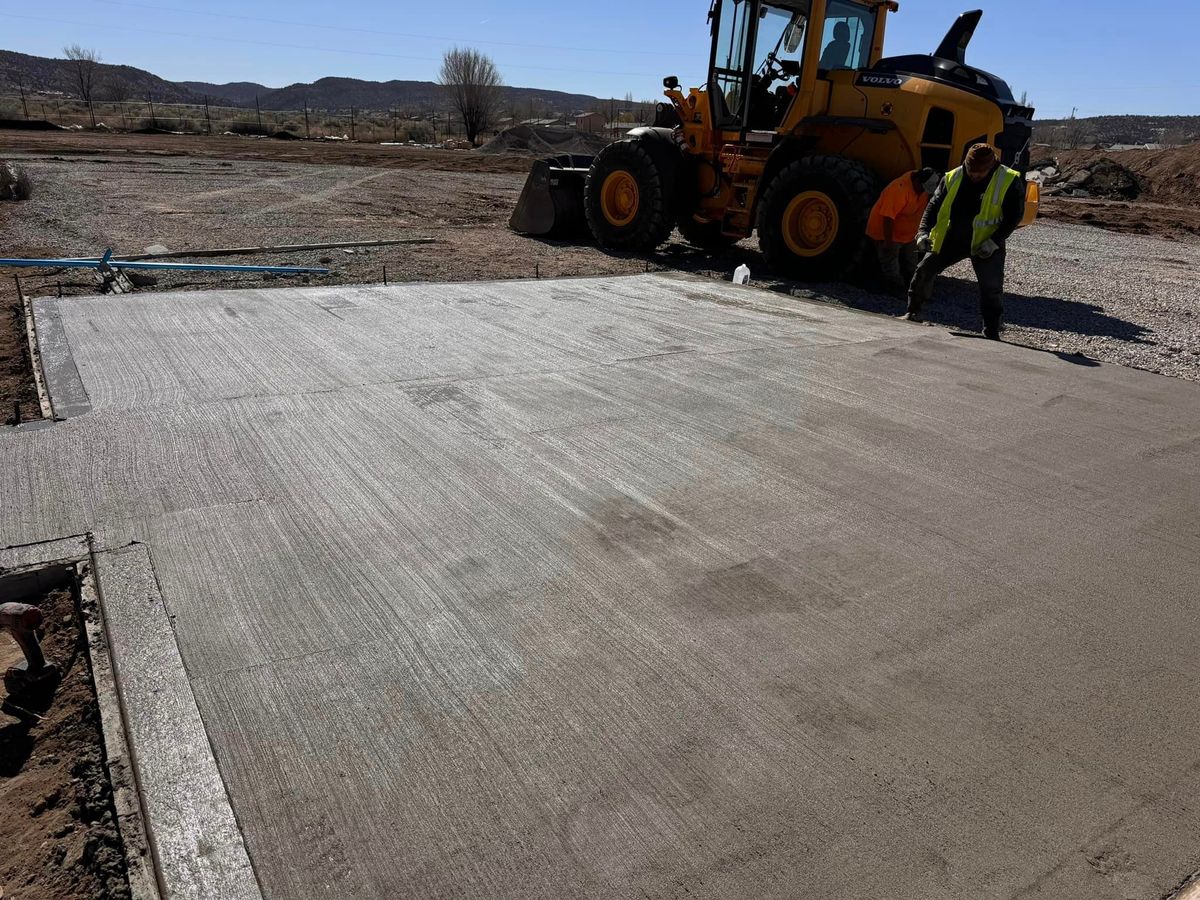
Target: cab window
[
  {"x": 733, "y": 34},
  {"x": 846, "y": 41}
]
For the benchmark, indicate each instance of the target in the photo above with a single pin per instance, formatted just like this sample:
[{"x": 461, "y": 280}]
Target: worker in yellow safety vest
[{"x": 970, "y": 216}]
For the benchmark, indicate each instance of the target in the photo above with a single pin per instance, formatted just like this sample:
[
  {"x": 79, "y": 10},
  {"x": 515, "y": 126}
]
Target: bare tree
[
  {"x": 117, "y": 90},
  {"x": 1073, "y": 131},
  {"x": 84, "y": 61},
  {"x": 473, "y": 84}
]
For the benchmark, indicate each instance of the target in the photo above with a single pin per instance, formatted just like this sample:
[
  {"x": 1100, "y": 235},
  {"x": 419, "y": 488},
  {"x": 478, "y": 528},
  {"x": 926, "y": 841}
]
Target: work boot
[
  {"x": 992, "y": 332},
  {"x": 914, "y": 311}
]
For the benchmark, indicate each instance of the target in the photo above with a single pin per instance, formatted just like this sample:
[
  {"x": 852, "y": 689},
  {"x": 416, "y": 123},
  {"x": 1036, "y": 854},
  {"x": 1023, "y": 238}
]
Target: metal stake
[{"x": 385, "y": 275}]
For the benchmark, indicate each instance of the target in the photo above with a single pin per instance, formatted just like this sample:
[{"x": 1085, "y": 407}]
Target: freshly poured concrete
[{"x": 644, "y": 587}]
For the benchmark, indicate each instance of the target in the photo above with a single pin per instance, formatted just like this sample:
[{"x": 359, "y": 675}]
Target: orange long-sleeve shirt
[{"x": 902, "y": 203}]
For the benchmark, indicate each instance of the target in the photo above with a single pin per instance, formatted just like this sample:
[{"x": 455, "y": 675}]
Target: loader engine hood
[
  {"x": 947, "y": 71},
  {"x": 948, "y": 66}
]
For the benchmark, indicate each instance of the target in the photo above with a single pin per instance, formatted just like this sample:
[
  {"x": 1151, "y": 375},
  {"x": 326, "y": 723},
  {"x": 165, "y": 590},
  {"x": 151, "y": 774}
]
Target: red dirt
[
  {"x": 1124, "y": 216},
  {"x": 1170, "y": 177},
  {"x": 58, "y": 833}
]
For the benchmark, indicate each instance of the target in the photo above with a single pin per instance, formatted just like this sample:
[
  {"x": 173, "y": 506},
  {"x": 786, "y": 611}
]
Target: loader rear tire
[
  {"x": 629, "y": 197},
  {"x": 813, "y": 215}
]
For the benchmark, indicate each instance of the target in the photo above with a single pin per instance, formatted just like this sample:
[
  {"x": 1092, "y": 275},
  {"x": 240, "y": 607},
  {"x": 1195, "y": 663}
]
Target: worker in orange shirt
[{"x": 894, "y": 224}]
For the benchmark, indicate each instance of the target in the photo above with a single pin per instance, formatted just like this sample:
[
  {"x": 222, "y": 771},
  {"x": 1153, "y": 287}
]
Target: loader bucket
[{"x": 552, "y": 201}]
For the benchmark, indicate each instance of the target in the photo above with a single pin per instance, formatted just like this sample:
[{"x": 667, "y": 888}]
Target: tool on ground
[
  {"x": 33, "y": 675},
  {"x": 279, "y": 248},
  {"x": 107, "y": 262},
  {"x": 802, "y": 121}
]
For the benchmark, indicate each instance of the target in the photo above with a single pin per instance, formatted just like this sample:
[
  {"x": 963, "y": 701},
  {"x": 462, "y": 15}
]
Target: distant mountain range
[{"x": 39, "y": 73}]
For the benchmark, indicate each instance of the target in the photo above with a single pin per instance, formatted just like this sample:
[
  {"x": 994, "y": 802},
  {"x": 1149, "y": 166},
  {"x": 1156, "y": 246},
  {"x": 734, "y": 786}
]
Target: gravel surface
[{"x": 1072, "y": 288}]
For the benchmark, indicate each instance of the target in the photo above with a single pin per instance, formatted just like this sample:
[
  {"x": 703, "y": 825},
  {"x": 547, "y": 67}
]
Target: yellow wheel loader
[{"x": 801, "y": 124}]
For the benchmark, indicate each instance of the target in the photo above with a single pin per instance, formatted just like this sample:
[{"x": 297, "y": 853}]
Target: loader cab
[{"x": 767, "y": 55}]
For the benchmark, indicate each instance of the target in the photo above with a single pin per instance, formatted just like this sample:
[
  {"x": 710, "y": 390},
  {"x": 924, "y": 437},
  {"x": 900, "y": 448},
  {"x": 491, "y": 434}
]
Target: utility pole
[
  {"x": 207, "y": 115},
  {"x": 259, "y": 112},
  {"x": 24, "y": 103},
  {"x": 153, "y": 118}
]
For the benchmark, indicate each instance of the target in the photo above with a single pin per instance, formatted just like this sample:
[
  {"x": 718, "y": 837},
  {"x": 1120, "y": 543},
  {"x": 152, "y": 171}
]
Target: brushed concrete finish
[
  {"x": 650, "y": 587},
  {"x": 197, "y": 847}
]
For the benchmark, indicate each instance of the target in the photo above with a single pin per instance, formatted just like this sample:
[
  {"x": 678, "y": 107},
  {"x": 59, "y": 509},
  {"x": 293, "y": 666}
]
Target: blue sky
[{"x": 1101, "y": 56}]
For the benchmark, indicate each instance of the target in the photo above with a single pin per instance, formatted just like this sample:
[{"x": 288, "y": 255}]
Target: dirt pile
[
  {"x": 525, "y": 140},
  {"x": 1101, "y": 178},
  {"x": 1170, "y": 176}
]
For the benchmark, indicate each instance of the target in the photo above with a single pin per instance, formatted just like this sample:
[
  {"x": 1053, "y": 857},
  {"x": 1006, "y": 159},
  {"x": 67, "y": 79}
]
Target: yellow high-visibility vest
[{"x": 991, "y": 207}]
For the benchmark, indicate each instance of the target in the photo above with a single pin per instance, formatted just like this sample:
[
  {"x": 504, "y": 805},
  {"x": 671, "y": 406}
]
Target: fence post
[
  {"x": 24, "y": 103},
  {"x": 153, "y": 118},
  {"x": 395, "y": 128},
  {"x": 352, "y": 123},
  {"x": 207, "y": 116},
  {"x": 259, "y": 113},
  {"x": 307, "y": 136}
]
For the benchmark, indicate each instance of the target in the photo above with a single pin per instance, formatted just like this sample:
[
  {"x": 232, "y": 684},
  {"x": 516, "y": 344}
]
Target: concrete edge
[
  {"x": 127, "y": 797},
  {"x": 66, "y": 394},
  {"x": 197, "y": 844},
  {"x": 35, "y": 356}
]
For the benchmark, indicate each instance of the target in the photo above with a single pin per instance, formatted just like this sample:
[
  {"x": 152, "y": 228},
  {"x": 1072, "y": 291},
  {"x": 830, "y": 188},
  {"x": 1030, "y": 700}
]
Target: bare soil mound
[
  {"x": 526, "y": 140},
  {"x": 1170, "y": 176}
]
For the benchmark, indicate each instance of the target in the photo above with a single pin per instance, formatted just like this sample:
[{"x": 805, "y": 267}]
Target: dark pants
[
  {"x": 989, "y": 273},
  {"x": 897, "y": 263}
]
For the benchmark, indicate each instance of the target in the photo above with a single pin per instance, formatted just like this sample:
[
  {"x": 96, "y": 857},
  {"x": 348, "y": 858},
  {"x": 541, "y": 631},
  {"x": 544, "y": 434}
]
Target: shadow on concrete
[
  {"x": 956, "y": 304},
  {"x": 1075, "y": 359},
  {"x": 955, "y": 301}
]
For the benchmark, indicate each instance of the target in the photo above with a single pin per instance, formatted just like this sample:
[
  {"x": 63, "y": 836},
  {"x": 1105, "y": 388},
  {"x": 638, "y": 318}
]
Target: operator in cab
[
  {"x": 894, "y": 223},
  {"x": 974, "y": 210}
]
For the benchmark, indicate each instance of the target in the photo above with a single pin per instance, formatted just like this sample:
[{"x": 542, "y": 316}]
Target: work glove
[
  {"x": 987, "y": 248},
  {"x": 925, "y": 243}
]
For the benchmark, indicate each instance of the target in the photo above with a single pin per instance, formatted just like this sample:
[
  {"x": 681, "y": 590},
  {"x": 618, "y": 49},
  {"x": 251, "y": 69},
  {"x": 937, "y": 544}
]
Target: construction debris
[
  {"x": 14, "y": 183},
  {"x": 524, "y": 139},
  {"x": 1101, "y": 179}
]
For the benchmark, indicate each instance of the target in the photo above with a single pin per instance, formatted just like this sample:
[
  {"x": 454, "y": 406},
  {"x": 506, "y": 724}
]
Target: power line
[
  {"x": 374, "y": 31},
  {"x": 307, "y": 47}
]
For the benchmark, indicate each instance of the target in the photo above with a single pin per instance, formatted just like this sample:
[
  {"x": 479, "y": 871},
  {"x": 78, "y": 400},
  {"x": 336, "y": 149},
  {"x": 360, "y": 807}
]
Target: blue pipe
[{"x": 108, "y": 262}]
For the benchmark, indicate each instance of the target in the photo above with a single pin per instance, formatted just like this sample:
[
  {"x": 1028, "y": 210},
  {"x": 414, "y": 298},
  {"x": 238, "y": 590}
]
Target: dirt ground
[
  {"x": 1169, "y": 181},
  {"x": 128, "y": 192},
  {"x": 325, "y": 153},
  {"x": 58, "y": 832}
]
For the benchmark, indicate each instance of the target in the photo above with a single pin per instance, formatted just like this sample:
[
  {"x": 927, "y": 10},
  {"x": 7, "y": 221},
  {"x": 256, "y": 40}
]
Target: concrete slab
[{"x": 647, "y": 587}]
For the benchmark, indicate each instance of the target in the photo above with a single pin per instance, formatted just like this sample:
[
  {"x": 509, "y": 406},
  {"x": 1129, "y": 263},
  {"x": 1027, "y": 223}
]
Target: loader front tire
[
  {"x": 813, "y": 215},
  {"x": 628, "y": 197}
]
